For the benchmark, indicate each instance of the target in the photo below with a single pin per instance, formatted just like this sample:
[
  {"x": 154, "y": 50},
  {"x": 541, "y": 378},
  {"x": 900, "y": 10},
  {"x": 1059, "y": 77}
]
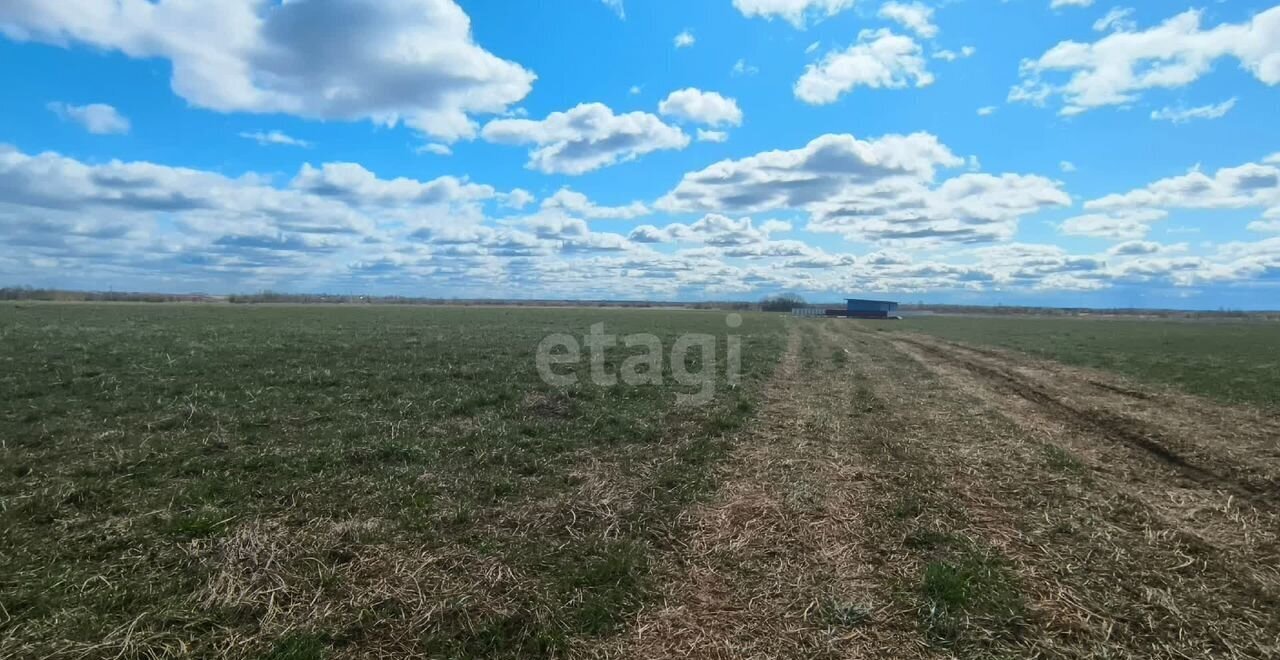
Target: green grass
[
  {"x": 149, "y": 447},
  {"x": 970, "y": 598},
  {"x": 1234, "y": 361}
]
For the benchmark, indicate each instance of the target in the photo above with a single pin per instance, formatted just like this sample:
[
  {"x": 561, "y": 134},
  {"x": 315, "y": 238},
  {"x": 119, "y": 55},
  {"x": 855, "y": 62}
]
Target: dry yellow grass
[{"x": 883, "y": 471}]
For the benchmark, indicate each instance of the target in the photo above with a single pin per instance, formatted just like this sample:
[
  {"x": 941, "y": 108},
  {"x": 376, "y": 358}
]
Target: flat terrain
[
  {"x": 309, "y": 481},
  {"x": 1230, "y": 360}
]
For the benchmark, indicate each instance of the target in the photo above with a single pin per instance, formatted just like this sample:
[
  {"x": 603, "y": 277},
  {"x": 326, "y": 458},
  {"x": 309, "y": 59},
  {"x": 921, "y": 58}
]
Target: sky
[{"x": 1044, "y": 152}]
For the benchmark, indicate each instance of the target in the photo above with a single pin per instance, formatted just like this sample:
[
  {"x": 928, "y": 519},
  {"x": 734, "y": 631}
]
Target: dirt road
[{"x": 903, "y": 496}]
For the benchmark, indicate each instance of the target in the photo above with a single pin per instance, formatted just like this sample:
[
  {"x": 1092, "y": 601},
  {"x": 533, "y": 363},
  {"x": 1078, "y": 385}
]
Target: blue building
[{"x": 870, "y": 309}]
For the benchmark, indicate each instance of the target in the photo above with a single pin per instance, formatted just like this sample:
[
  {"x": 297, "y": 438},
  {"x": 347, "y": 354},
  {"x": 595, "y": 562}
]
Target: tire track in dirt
[
  {"x": 863, "y": 471},
  {"x": 1113, "y": 567},
  {"x": 1135, "y": 433},
  {"x": 778, "y": 562},
  {"x": 1240, "y": 437}
]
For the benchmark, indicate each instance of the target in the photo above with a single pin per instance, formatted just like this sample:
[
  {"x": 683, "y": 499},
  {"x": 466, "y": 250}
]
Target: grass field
[
  {"x": 1235, "y": 361},
  {"x": 167, "y": 469},
  {"x": 342, "y": 481}
]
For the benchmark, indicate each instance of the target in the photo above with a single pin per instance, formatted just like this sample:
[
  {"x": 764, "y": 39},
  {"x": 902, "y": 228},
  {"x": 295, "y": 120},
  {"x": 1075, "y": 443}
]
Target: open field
[
  {"x": 193, "y": 479},
  {"x": 1231, "y": 360},
  {"x": 310, "y": 481}
]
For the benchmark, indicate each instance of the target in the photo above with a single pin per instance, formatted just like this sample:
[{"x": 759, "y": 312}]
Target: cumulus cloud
[
  {"x": 1066, "y": 166},
  {"x": 1058, "y": 4},
  {"x": 517, "y": 198},
  {"x": 434, "y": 148},
  {"x": 577, "y": 203},
  {"x": 336, "y": 222},
  {"x": 1184, "y": 115},
  {"x": 1130, "y": 248},
  {"x": 145, "y": 217},
  {"x": 712, "y": 229},
  {"x": 712, "y": 136},
  {"x": 1119, "y": 225},
  {"x": 1244, "y": 186},
  {"x": 1118, "y": 18},
  {"x": 695, "y": 105},
  {"x": 354, "y": 184},
  {"x": 796, "y": 12},
  {"x": 381, "y": 60},
  {"x": 969, "y": 208},
  {"x": 741, "y": 68},
  {"x": 97, "y": 118},
  {"x": 951, "y": 55},
  {"x": 684, "y": 40},
  {"x": 1038, "y": 266},
  {"x": 880, "y": 59},
  {"x": 987, "y": 110},
  {"x": 274, "y": 138},
  {"x": 1117, "y": 68},
  {"x": 586, "y": 137},
  {"x": 914, "y": 16},
  {"x": 799, "y": 177},
  {"x": 875, "y": 190}
]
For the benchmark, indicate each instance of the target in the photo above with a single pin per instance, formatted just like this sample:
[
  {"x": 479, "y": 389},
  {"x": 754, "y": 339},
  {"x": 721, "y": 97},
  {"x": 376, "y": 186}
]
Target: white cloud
[
  {"x": 969, "y": 208},
  {"x": 684, "y": 39},
  {"x": 161, "y": 221},
  {"x": 97, "y": 118},
  {"x": 1117, "y": 68},
  {"x": 434, "y": 148},
  {"x": 951, "y": 55},
  {"x": 914, "y": 16},
  {"x": 586, "y": 137},
  {"x": 1130, "y": 248},
  {"x": 1265, "y": 226},
  {"x": 1244, "y": 186},
  {"x": 1118, "y": 18},
  {"x": 799, "y": 177},
  {"x": 987, "y": 110},
  {"x": 875, "y": 190},
  {"x": 579, "y": 204},
  {"x": 403, "y": 60},
  {"x": 808, "y": 50},
  {"x": 712, "y": 136},
  {"x": 741, "y": 68},
  {"x": 1056, "y": 4},
  {"x": 795, "y": 12},
  {"x": 712, "y": 229},
  {"x": 1251, "y": 185},
  {"x": 340, "y": 226},
  {"x": 518, "y": 198},
  {"x": 1183, "y": 115},
  {"x": 354, "y": 184},
  {"x": 275, "y": 137},
  {"x": 695, "y": 105},
  {"x": 880, "y": 59},
  {"x": 1119, "y": 225},
  {"x": 635, "y": 89},
  {"x": 1066, "y": 166},
  {"x": 617, "y": 8}
]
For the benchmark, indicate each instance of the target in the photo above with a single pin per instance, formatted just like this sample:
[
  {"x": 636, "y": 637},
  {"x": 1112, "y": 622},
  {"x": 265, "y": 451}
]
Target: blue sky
[{"x": 1089, "y": 153}]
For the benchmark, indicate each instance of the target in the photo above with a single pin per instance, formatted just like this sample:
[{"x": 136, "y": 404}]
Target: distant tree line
[
  {"x": 781, "y": 303},
  {"x": 31, "y": 293}
]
